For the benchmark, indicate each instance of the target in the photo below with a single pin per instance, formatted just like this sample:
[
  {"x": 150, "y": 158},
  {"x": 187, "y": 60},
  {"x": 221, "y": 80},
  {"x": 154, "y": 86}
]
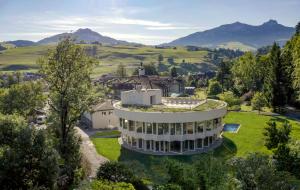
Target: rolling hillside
[{"x": 24, "y": 58}]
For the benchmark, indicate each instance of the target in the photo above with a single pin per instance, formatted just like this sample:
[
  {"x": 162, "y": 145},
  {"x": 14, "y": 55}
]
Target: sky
[{"x": 143, "y": 21}]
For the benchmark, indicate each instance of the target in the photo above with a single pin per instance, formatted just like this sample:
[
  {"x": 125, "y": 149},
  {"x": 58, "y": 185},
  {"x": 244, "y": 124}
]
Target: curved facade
[{"x": 178, "y": 129}]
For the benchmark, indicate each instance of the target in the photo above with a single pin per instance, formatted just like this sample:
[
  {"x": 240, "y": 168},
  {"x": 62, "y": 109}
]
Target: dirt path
[{"x": 89, "y": 151}]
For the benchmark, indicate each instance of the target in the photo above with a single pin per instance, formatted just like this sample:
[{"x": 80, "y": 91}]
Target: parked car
[{"x": 41, "y": 119}]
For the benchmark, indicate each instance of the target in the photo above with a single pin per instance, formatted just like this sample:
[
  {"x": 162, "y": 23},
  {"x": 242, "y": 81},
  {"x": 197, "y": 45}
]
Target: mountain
[
  {"x": 86, "y": 35},
  {"x": 21, "y": 43},
  {"x": 249, "y": 35}
]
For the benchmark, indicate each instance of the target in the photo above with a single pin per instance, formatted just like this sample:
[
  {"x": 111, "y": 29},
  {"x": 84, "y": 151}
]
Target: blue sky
[{"x": 144, "y": 21}]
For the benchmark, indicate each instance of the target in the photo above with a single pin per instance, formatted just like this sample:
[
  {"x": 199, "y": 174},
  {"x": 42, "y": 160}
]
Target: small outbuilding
[{"x": 101, "y": 116}]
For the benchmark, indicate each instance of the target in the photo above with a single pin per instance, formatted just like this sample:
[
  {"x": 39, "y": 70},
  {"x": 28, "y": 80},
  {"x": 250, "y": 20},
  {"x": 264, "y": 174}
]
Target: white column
[{"x": 181, "y": 146}]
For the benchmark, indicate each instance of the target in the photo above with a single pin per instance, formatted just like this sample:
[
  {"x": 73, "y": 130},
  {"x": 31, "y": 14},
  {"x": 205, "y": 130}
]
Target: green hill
[{"x": 24, "y": 58}]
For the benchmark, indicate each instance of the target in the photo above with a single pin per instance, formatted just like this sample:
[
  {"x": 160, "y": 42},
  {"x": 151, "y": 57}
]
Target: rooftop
[{"x": 176, "y": 105}]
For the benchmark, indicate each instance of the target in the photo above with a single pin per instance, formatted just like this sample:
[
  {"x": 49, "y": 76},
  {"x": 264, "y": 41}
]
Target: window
[
  {"x": 156, "y": 145},
  {"x": 173, "y": 128},
  {"x": 199, "y": 127},
  {"x": 154, "y": 128},
  {"x": 140, "y": 143},
  {"x": 206, "y": 141},
  {"x": 175, "y": 146},
  {"x": 125, "y": 124},
  {"x": 131, "y": 125},
  {"x": 160, "y": 128},
  {"x": 139, "y": 126},
  {"x": 190, "y": 128},
  {"x": 178, "y": 128},
  {"x": 121, "y": 121},
  {"x": 209, "y": 126},
  {"x": 149, "y": 128},
  {"x": 103, "y": 113},
  {"x": 166, "y": 129},
  {"x": 199, "y": 143},
  {"x": 191, "y": 145},
  {"x": 133, "y": 142},
  {"x": 184, "y": 128},
  {"x": 148, "y": 146},
  {"x": 162, "y": 146}
]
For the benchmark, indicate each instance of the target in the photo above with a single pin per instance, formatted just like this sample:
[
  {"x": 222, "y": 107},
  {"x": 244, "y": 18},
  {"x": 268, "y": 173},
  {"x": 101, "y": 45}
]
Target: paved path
[{"x": 89, "y": 152}]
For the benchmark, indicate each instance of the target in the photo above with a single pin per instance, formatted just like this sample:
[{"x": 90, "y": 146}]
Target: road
[{"x": 89, "y": 152}]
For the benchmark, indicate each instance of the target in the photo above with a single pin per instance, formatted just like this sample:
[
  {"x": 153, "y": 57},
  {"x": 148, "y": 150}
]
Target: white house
[{"x": 101, "y": 116}]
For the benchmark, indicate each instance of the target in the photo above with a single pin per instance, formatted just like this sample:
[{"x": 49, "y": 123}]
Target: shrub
[{"x": 214, "y": 88}]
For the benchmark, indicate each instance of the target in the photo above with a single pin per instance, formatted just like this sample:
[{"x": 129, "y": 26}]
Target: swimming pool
[{"x": 231, "y": 127}]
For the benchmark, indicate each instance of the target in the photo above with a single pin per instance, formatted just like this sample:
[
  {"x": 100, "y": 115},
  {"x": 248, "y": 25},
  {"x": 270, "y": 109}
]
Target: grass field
[
  {"x": 248, "y": 139},
  {"x": 24, "y": 58}
]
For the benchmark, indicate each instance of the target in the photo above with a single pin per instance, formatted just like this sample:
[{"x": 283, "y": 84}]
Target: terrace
[{"x": 176, "y": 105}]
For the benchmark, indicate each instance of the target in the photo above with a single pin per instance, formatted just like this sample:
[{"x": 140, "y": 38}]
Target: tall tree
[
  {"x": 246, "y": 73},
  {"x": 67, "y": 72},
  {"x": 22, "y": 98},
  {"x": 28, "y": 158},
  {"x": 274, "y": 90},
  {"x": 298, "y": 28}
]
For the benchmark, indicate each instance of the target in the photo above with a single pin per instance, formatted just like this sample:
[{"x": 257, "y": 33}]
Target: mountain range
[
  {"x": 240, "y": 34},
  {"x": 233, "y": 36}
]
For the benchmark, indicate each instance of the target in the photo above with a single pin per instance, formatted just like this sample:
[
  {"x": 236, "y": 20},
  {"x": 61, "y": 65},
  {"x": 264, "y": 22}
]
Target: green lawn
[{"x": 107, "y": 133}]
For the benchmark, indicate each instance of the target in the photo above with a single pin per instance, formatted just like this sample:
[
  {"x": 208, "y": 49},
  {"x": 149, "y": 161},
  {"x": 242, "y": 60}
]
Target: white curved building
[{"x": 156, "y": 125}]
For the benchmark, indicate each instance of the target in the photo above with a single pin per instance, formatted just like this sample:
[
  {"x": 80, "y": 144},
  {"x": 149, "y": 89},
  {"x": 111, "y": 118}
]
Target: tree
[
  {"x": 298, "y": 28},
  {"x": 211, "y": 172},
  {"x": 115, "y": 172},
  {"x": 258, "y": 101},
  {"x": 246, "y": 73},
  {"x": 257, "y": 171},
  {"x": 119, "y": 172},
  {"x": 28, "y": 158},
  {"x": 22, "y": 98},
  {"x": 121, "y": 70},
  {"x": 160, "y": 58},
  {"x": 67, "y": 72},
  {"x": 214, "y": 88},
  {"x": 167, "y": 187},
  {"x": 274, "y": 89},
  {"x": 275, "y": 136},
  {"x": 223, "y": 74},
  {"x": 174, "y": 72}
]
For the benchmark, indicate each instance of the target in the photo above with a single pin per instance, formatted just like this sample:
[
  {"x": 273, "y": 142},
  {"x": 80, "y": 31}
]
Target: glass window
[
  {"x": 160, "y": 128},
  {"x": 191, "y": 145},
  {"x": 175, "y": 146},
  {"x": 148, "y": 144},
  {"x": 206, "y": 141},
  {"x": 133, "y": 142},
  {"x": 140, "y": 143},
  {"x": 178, "y": 128},
  {"x": 121, "y": 122},
  {"x": 125, "y": 124},
  {"x": 149, "y": 128},
  {"x": 185, "y": 145},
  {"x": 184, "y": 128},
  {"x": 190, "y": 128},
  {"x": 139, "y": 126},
  {"x": 131, "y": 125},
  {"x": 154, "y": 128},
  {"x": 162, "y": 146},
  {"x": 199, "y": 127},
  {"x": 173, "y": 128},
  {"x": 156, "y": 145},
  {"x": 209, "y": 125},
  {"x": 166, "y": 129},
  {"x": 199, "y": 143}
]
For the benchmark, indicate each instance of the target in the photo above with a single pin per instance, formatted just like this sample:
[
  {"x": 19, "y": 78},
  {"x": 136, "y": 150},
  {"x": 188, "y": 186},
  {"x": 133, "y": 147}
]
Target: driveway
[{"x": 89, "y": 152}]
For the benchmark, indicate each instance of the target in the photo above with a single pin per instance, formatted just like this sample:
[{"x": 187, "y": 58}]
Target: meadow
[{"x": 108, "y": 57}]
